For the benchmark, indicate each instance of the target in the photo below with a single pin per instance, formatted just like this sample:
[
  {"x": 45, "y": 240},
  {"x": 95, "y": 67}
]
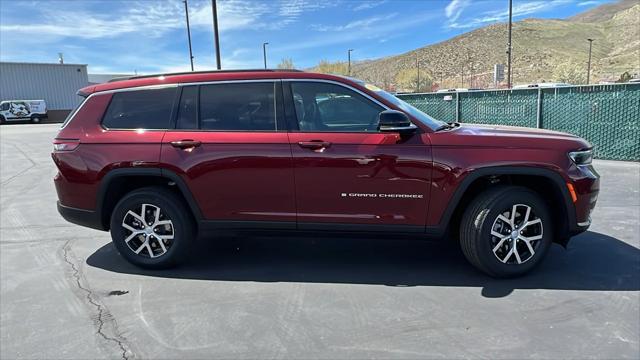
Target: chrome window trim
[
  {"x": 340, "y": 84},
  {"x": 213, "y": 82}
]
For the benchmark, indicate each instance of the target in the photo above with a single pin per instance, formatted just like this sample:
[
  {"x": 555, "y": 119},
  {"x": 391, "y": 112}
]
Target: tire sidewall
[
  {"x": 173, "y": 209},
  {"x": 502, "y": 203},
  {"x": 35, "y": 119}
]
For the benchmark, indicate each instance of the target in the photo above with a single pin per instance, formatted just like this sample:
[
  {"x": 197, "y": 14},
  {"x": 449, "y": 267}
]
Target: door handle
[
  {"x": 185, "y": 144},
  {"x": 315, "y": 145}
]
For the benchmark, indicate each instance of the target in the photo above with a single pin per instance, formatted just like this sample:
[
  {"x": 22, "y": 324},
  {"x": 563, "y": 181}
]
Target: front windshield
[{"x": 404, "y": 106}]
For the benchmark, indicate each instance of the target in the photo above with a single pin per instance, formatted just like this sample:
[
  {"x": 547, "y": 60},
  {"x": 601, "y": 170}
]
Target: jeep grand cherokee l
[{"x": 158, "y": 160}]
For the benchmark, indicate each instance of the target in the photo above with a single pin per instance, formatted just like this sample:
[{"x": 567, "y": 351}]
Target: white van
[{"x": 20, "y": 110}]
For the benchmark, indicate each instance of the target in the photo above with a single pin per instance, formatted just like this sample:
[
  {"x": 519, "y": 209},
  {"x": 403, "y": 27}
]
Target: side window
[
  {"x": 5, "y": 107},
  {"x": 327, "y": 107},
  {"x": 140, "y": 109},
  {"x": 238, "y": 106},
  {"x": 187, "y": 109}
]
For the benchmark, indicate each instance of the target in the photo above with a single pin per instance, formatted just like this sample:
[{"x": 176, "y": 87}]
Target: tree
[
  {"x": 337, "y": 68},
  {"x": 625, "y": 77},
  {"x": 570, "y": 73},
  {"x": 286, "y": 64},
  {"x": 407, "y": 80}
]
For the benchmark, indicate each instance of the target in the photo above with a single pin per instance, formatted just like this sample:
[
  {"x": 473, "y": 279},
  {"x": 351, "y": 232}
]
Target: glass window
[
  {"x": 328, "y": 107},
  {"x": 238, "y": 106},
  {"x": 187, "y": 108},
  {"x": 140, "y": 109}
]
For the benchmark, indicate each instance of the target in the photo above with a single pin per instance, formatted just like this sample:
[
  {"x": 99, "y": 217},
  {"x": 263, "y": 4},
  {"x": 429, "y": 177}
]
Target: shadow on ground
[{"x": 592, "y": 261}]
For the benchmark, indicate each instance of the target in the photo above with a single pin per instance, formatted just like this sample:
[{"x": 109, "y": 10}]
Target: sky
[{"x": 149, "y": 36}]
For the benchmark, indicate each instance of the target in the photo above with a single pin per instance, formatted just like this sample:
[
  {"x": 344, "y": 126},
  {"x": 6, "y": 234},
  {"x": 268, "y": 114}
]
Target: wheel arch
[
  {"x": 118, "y": 182},
  {"x": 538, "y": 179}
]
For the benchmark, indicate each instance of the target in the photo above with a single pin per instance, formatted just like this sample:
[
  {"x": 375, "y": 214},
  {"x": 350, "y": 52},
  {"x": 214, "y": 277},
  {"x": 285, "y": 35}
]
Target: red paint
[{"x": 283, "y": 176}]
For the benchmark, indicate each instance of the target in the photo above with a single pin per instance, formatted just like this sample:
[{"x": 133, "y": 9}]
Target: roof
[
  {"x": 203, "y": 76},
  {"x": 43, "y": 64}
]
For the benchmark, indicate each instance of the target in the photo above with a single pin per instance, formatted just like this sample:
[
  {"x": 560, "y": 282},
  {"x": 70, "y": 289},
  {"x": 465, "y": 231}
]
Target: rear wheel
[
  {"x": 35, "y": 119},
  {"x": 2, "y": 120},
  {"x": 506, "y": 231},
  {"x": 152, "y": 228}
]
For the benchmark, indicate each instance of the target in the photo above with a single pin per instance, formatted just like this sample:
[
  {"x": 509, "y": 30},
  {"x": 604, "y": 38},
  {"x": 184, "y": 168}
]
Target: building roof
[{"x": 43, "y": 64}]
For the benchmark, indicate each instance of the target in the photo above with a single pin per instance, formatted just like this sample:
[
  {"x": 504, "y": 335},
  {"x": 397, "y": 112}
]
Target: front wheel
[
  {"x": 35, "y": 119},
  {"x": 506, "y": 231},
  {"x": 152, "y": 228}
]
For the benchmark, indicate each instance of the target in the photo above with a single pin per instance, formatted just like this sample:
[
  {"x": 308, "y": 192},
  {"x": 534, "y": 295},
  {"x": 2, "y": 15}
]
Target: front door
[
  {"x": 347, "y": 172},
  {"x": 231, "y": 147}
]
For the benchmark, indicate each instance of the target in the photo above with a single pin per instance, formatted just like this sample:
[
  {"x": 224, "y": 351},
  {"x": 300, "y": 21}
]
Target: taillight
[{"x": 65, "y": 144}]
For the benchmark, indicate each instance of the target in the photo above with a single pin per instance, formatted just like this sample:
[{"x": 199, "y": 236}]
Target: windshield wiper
[{"x": 448, "y": 126}]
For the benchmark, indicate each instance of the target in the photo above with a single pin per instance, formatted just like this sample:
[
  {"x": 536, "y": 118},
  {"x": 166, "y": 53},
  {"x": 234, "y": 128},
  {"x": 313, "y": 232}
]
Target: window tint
[
  {"x": 141, "y": 109},
  {"x": 187, "y": 108},
  {"x": 328, "y": 107},
  {"x": 238, "y": 106}
]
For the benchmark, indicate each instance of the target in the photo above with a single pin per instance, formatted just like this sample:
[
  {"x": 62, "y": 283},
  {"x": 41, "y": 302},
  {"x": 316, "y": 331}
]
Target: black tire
[
  {"x": 172, "y": 208},
  {"x": 35, "y": 119},
  {"x": 480, "y": 218},
  {"x": 2, "y": 120}
]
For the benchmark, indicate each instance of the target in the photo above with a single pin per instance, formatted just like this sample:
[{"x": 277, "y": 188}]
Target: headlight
[{"x": 583, "y": 157}]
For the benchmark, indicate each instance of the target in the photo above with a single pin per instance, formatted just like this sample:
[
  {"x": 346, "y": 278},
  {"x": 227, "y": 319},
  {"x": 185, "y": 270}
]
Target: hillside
[{"x": 539, "y": 47}]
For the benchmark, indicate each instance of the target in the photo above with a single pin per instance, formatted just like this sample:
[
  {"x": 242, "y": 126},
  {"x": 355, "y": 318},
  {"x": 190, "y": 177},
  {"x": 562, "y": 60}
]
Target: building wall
[{"x": 57, "y": 84}]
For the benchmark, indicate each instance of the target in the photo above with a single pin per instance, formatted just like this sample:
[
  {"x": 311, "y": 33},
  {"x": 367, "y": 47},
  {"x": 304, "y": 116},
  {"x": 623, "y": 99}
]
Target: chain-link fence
[{"x": 608, "y": 116}]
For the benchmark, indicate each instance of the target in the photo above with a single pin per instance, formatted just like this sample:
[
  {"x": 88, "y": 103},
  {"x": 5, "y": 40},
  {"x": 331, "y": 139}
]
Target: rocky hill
[{"x": 539, "y": 47}]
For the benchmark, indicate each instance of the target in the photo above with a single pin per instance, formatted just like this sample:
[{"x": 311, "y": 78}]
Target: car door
[
  {"x": 349, "y": 175},
  {"x": 231, "y": 148}
]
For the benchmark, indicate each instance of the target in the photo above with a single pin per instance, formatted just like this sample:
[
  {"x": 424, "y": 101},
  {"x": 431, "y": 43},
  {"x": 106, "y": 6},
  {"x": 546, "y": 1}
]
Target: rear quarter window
[{"x": 140, "y": 109}]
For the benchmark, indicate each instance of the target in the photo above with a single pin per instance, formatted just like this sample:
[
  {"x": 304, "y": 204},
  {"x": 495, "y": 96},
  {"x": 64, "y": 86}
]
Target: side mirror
[{"x": 395, "y": 121}]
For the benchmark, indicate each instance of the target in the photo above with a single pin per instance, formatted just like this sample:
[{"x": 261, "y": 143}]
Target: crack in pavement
[{"x": 103, "y": 315}]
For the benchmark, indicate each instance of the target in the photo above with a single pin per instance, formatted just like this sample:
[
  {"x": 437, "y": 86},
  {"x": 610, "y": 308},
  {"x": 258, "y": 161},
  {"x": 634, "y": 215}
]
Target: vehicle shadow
[{"x": 592, "y": 261}]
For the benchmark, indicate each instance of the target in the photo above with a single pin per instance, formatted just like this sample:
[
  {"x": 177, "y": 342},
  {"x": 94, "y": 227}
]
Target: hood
[{"x": 513, "y": 137}]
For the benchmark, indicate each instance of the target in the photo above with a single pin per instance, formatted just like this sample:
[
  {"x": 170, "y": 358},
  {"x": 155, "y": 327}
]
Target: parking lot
[{"x": 66, "y": 293}]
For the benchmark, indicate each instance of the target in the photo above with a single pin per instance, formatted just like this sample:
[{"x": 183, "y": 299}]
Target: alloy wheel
[
  {"x": 149, "y": 231},
  {"x": 516, "y": 234}
]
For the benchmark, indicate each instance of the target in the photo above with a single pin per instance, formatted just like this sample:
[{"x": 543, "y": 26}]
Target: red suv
[{"x": 158, "y": 160}]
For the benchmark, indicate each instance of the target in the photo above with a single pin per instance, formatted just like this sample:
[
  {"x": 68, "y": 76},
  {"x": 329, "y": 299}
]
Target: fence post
[
  {"x": 457, "y": 106},
  {"x": 539, "y": 110}
]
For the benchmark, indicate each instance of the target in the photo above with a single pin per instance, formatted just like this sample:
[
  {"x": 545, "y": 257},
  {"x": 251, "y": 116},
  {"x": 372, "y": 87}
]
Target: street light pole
[
  {"x": 186, "y": 12},
  {"x": 589, "y": 63},
  {"x": 509, "y": 47},
  {"x": 216, "y": 38},
  {"x": 418, "y": 68},
  {"x": 264, "y": 53},
  {"x": 349, "y": 57}
]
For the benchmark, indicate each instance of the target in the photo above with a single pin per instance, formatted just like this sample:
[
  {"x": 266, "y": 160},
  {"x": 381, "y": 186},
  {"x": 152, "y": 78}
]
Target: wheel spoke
[
  {"x": 532, "y": 222},
  {"x": 506, "y": 258},
  {"x": 137, "y": 251},
  {"x": 504, "y": 219},
  {"x": 134, "y": 215},
  {"x": 528, "y": 246},
  {"x": 500, "y": 243},
  {"x": 133, "y": 235},
  {"x": 162, "y": 222},
  {"x": 164, "y": 237},
  {"x": 130, "y": 228},
  {"x": 516, "y": 253},
  {"x": 531, "y": 238},
  {"x": 526, "y": 215},
  {"x": 497, "y": 234},
  {"x": 149, "y": 250},
  {"x": 161, "y": 243},
  {"x": 513, "y": 215}
]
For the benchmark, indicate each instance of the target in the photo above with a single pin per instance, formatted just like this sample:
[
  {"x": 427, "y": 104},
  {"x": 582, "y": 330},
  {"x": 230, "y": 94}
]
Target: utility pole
[
  {"x": 264, "y": 53},
  {"x": 418, "y": 68},
  {"x": 509, "y": 47},
  {"x": 214, "y": 10},
  {"x": 186, "y": 12},
  {"x": 349, "y": 57},
  {"x": 589, "y": 63}
]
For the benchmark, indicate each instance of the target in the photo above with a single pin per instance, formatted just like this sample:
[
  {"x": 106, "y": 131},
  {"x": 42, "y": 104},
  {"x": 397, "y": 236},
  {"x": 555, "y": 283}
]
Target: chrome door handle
[{"x": 186, "y": 144}]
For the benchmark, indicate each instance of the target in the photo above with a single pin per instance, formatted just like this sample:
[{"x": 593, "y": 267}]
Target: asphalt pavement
[{"x": 66, "y": 293}]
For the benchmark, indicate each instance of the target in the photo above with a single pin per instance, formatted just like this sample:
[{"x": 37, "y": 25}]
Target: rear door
[
  {"x": 230, "y": 146},
  {"x": 348, "y": 175}
]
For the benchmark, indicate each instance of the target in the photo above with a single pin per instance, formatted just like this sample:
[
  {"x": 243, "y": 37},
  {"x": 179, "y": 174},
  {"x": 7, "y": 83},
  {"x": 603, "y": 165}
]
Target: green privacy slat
[{"x": 608, "y": 116}]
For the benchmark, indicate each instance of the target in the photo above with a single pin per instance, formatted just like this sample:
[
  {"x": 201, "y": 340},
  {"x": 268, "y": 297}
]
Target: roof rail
[{"x": 200, "y": 72}]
